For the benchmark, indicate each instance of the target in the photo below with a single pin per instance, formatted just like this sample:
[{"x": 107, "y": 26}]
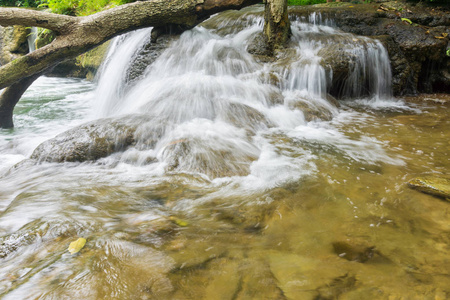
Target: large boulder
[{"x": 91, "y": 141}]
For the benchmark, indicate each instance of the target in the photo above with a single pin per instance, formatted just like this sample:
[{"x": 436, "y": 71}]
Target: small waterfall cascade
[
  {"x": 32, "y": 39},
  {"x": 112, "y": 82},
  {"x": 210, "y": 103}
]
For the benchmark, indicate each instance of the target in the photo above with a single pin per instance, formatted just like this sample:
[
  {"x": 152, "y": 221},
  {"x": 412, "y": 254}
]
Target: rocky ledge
[{"x": 417, "y": 38}]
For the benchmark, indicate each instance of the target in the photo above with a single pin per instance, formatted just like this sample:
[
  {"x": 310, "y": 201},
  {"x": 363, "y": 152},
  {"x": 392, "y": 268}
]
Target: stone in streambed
[
  {"x": 354, "y": 251},
  {"x": 436, "y": 186},
  {"x": 338, "y": 286}
]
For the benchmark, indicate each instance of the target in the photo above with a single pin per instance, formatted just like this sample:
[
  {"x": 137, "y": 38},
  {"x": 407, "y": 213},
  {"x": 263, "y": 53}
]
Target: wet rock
[
  {"x": 257, "y": 281},
  {"x": 436, "y": 186},
  {"x": 276, "y": 98},
  {"x": 402, "y": 71},
  {"x": 22, "y": 238},
  {"x": 299, "y": 277},
  {"x": 215, "y": 159},
  {"x": 311, "y": 111},
  {"x": 419, "y": 63},
  {"x": 90, "y": 141},
  {"x": 244, "y": 116},
  {"x": 336, "y": 287},
  {"x": 354, "y": 251},
  {"x": 249, "y": 219},
  {"x": 13, "y": 42},
  {"x": 225, "y": 282},
  {"x": 337, "y": 58},
  {"x": 258, "y": 47},
  {"x": 195, "y": 254},
  {"x": 147, "y": 55}
]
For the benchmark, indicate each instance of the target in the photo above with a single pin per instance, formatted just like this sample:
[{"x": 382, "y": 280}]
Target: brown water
[{"x": 182, "y": 238}]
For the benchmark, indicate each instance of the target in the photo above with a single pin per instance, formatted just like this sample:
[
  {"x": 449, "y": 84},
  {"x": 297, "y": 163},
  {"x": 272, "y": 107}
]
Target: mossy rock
[
  {"x": 436, "y": 186},
  {"x": 13, "y": 43},
  {"x": 91, "y": 141}
]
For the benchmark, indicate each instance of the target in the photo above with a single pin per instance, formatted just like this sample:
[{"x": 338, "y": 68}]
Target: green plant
[
  {"x": 448, "y": 52},
  {"x": 305, "y": 2},
  {"x": 23, "y": 3},
  {"x": 82, "y": 7}
]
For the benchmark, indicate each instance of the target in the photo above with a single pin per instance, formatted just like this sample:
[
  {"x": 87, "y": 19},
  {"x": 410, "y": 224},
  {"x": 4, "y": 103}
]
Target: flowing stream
[{"x": 245, "y": 178}]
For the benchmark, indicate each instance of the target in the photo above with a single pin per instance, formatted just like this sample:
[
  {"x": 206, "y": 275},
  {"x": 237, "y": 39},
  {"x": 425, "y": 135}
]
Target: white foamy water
[{"x": 217, "y": 123}]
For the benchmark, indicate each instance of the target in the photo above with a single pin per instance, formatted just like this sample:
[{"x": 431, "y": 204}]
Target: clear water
[{"x": 254, "y": 177}]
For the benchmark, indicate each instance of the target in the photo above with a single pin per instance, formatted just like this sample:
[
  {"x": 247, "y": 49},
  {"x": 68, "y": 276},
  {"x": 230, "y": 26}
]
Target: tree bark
[
  {"x": 76, "y": 35},
  {"x": 9, "y": 98},
  {"x": 277, "y": 29}
]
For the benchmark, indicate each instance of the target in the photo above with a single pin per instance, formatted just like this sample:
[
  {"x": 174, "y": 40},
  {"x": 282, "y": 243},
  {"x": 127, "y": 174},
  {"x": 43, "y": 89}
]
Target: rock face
[
  {"x": 90, "y": 141},
  {"x": 417, "y": 51},
  {"x": 436, "y": 186},
  {"x": 13, "y": 43}
]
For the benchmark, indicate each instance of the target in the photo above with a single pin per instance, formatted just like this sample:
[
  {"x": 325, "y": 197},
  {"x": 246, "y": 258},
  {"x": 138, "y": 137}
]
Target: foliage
[
  {"x": 23, "y": 3},
  {"x": 82, "y": 7},
  {"x": 305, "y": 2},
  {"x": 67, "y": 7}
]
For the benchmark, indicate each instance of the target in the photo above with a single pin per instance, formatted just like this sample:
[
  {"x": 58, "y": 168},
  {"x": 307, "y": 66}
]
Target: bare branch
[{"x": 35, "y": 18}]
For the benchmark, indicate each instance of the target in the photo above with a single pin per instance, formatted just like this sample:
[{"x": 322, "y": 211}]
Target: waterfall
[
  {"x": 32, "y": 39},
  {"x": 113, "y": 72},
  {"x": 207, "y": 99}
]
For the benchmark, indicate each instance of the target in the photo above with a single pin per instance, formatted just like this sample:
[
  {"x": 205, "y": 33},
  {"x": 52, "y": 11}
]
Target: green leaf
[
  {"x": 448, "y": 52},
  {"x": 407, "y": 20},
  {"x": 76, "y": 246}
]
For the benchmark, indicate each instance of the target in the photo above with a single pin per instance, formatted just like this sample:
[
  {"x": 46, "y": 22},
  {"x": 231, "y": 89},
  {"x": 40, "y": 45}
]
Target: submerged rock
[
  {"x": 90, "y": 141},
  {"x": 436, "y": 186},
  {"x": 311, "y": 111},
  {"x": 354, "y": 251},
  {"x": 219, "y": 158},
  {"x": 244, "y": 116},
  {"x": 336, "y": 287}
]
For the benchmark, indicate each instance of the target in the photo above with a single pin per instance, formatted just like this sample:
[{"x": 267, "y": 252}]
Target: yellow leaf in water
[
  {"x": 179, "y": 222},
  {"x": 444, "y": 34},
  {"x": 439, "y": 37},
  {"x": 76, "y": 246}
]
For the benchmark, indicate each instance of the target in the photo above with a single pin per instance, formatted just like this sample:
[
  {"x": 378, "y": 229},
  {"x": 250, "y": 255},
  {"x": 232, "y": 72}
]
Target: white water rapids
[{"x": 217, "y": 125}]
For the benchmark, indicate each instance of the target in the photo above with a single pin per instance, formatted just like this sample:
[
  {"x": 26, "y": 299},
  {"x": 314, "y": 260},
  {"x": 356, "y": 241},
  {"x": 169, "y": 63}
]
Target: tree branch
[{"x": 35, "y": 18}]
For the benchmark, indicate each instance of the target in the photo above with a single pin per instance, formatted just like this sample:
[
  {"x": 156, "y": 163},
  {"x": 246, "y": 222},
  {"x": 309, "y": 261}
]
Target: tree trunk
[
  {"x": 277, "y": 29},
  {"x": 9, "y": 98},
  {"x": 76, "y": 35}
]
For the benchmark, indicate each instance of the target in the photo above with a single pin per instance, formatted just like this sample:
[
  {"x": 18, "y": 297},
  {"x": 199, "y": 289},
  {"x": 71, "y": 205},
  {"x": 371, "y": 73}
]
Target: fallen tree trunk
[{"x": 76, "y": 35}]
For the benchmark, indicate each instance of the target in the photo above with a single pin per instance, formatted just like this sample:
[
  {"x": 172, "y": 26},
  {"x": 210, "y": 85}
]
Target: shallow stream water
[{"x": 256, "y": 187}]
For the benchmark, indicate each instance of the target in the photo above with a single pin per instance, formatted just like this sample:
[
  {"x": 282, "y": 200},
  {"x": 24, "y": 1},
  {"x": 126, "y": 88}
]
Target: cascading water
[
  {"x": 216, "y": 172},
  {"x": 32, "y": 39},
  {"x": 215, "y": 100}
]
